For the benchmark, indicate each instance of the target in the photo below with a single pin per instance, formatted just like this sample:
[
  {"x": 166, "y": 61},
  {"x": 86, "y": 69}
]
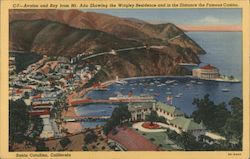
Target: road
[{"x": 114, "y": 52}]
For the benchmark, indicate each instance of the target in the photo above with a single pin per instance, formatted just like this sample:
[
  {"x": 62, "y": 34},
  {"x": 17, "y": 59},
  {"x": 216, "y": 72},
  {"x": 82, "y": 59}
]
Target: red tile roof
[
  {"x": 18, "y": 91},
  {"x": 40, "y": 112},
  {"x": 208, "y": 67},
  {"x": 132, "y": 141}
]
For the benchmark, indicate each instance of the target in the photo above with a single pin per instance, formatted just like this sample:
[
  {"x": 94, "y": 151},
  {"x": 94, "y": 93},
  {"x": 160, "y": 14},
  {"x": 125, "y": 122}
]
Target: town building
[
  {"x": 169, "y": 112},
  {"x": 207, "y": 72},
  {"x": 173, "y": 115},
  {"x": 188, "y": 125},
  {"x": 50, "y": 128},
  {"x": 12, "y": 66},
  {"x": 139, "y": 111}
]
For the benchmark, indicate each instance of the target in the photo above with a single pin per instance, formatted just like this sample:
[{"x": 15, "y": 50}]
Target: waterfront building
[{"x": 206, "y": 72}]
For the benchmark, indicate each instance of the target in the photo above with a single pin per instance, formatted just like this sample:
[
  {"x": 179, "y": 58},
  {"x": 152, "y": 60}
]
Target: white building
[
  {"x": 206, "y": 72},
  {"x": 172, "y": 114}
]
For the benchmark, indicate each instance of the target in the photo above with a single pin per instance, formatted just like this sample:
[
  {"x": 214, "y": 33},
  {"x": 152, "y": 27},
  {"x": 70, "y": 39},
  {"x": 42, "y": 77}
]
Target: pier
[
  {"x": 78, "y": 102},
  {"x": 84, "y": 118}
]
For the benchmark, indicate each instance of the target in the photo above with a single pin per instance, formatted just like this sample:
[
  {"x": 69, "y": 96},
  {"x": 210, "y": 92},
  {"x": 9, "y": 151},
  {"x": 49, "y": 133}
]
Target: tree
[
  {"x": 110, "y": 124},
  {"x": 120, "y": 115},
  {"x": 152, "y": 117},
  {"x": 233, "y": 128},
  {"x": 213, "y": 116},
  {"x": 38, "y": 125},
  {"x": 64, "y": 142},
  {"x": 90, "y": 137},
  {"x": 18, "y": 121},
  {"x": 40, "y": 146},
  {"x": 189, "y": 142}
]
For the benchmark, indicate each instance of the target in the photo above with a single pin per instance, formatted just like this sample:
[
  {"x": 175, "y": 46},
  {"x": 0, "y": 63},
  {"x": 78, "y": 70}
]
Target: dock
[
  {"x": 80, "y": 102},
  {"x": 84, "y": 118}
]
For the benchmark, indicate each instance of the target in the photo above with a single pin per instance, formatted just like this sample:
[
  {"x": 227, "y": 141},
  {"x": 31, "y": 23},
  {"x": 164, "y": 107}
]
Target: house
[
  {"x": 169, "y": 112},
  {"x": 173, "y": 115},
  {"x": 188, "y": 125},
  {"x": 207, "y": 72},
  {"x": 140, "y": 110}
]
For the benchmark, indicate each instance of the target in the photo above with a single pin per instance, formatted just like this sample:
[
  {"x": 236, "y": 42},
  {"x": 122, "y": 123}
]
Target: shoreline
[
  {"x": 72, "y": 127},
  {"x": 82, "y": 93},
  {"x": 178, "y": 77}
]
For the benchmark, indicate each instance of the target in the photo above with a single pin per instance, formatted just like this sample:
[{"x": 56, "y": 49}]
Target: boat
[
  {"x": 152, "y": 83},
  {"x": 188, "y": 84},
  {"x": 169, "y": 93},
  {"x": 225, "y": 90},
  {"x": 200, "y": 83},
  {"x": 170, "y": 81},
  {"x": 151, "y": 90},
  {"x": 193, "y": 81},
  {"x": 157, "y": 82},
  {"x": 178, "y": 95},
  {"x": 175, "y": 84},
  {"x": 156, "y": 94}
]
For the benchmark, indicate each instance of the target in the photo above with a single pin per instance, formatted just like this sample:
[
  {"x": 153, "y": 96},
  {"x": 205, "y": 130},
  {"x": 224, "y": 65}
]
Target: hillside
[
  {"x": 124, "y": 28},
  {"x": 52, "y": 38},
  {"x": 71, "y": 32}
]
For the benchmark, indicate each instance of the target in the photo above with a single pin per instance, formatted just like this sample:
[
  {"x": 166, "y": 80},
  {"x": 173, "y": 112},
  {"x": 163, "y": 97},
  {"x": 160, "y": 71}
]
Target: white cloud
[{"x": 209, "y": 20}]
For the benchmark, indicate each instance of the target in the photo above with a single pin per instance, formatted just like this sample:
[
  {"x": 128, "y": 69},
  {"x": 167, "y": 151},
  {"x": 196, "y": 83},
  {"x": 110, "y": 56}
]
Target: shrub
[
  {"x": 90, "y": 137},
  {"x": 64, "y": 142},
  {"x": 152, "y": 139}
]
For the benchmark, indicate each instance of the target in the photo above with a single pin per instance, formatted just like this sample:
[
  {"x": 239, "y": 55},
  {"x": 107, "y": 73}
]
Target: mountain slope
[
  {"x": 124, "y": 28},
  {"x": 53, "y": 38}
]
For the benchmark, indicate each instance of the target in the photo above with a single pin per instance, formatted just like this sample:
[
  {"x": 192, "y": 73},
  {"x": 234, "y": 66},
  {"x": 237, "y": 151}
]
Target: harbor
[{"x": 179, "y": 91}]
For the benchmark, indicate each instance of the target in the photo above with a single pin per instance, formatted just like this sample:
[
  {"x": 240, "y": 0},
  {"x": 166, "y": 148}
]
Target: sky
[{"x": 198, "y": 17}]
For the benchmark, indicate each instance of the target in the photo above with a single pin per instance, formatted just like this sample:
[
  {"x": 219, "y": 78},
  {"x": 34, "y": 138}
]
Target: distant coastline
[{"x": 220, "y": 28}]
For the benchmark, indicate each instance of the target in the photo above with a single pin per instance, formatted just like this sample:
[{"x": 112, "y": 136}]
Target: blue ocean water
[{"x": 224, "y": 50}]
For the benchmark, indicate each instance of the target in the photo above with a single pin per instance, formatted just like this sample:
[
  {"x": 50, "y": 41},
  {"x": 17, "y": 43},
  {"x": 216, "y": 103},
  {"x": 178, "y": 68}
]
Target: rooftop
[
  {"x": 134, "y": 106},
  {"x": 208, "y": 67},
  {"x": 132, "y": 140},
  {"x": 168, "y": 108},
  {"x": 187, "y": 123}
]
